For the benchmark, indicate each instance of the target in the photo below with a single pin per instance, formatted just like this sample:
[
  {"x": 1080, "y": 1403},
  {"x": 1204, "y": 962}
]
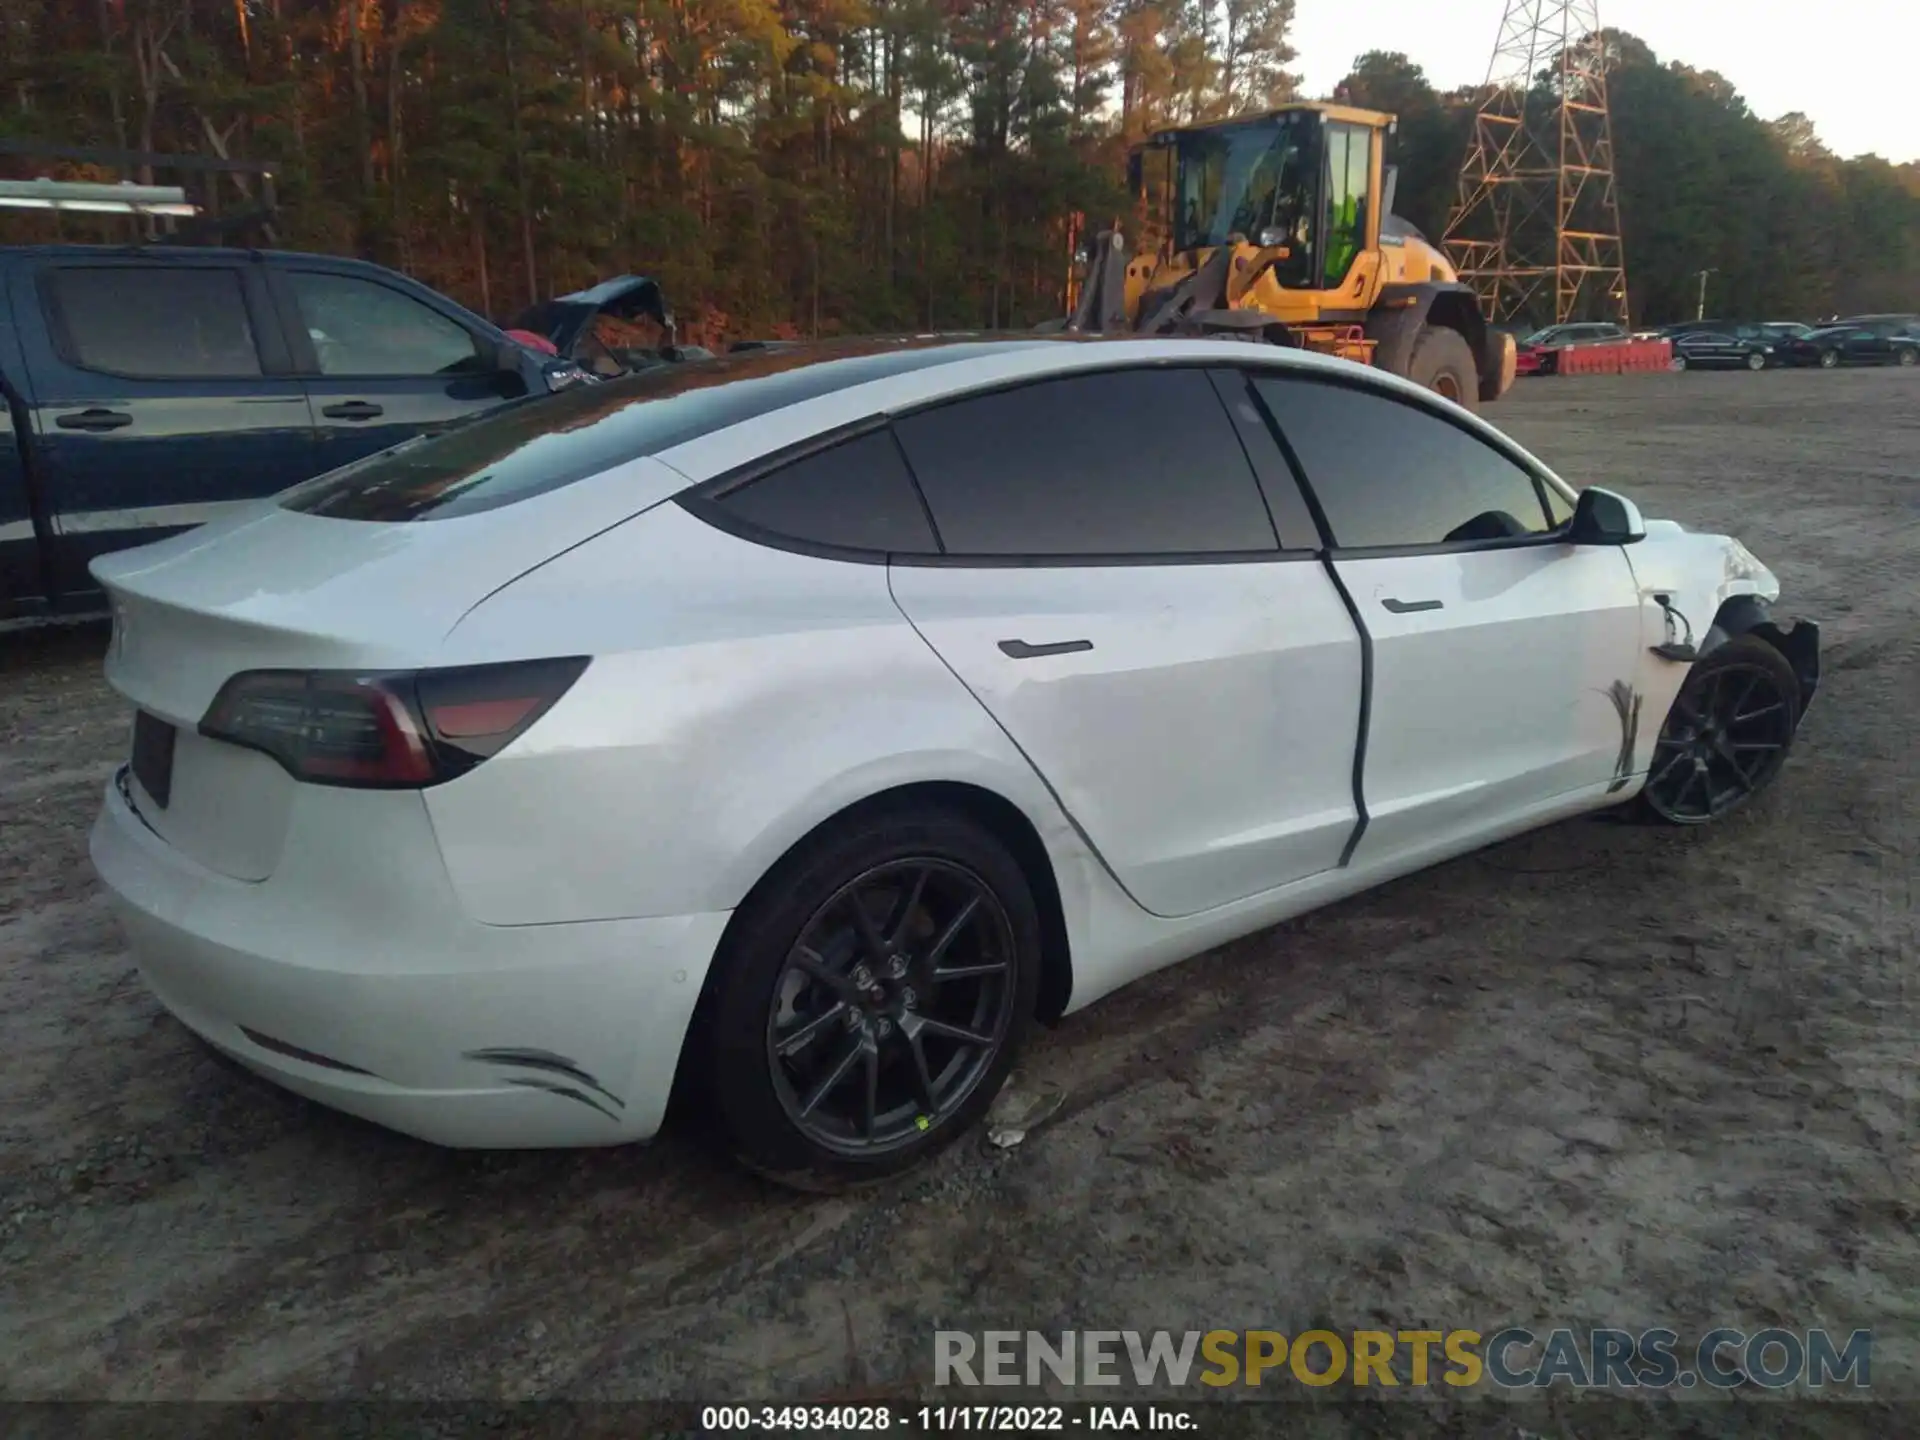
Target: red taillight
[{"x": 386, "y": 729}]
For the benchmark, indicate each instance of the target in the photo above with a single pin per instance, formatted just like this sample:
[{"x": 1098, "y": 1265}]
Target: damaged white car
[{"x": 789, "y": 731}]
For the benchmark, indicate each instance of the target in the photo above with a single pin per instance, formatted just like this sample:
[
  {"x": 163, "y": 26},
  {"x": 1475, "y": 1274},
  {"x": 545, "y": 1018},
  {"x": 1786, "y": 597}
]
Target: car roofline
[{"x": 1003, "y": 360}]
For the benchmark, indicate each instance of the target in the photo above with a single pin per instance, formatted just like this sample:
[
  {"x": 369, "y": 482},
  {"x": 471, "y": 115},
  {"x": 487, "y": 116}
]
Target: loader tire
[{"x": 1442, "y": 362}]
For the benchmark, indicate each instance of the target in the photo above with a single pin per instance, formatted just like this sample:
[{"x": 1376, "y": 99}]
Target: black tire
[
  {"x": 1829, "y": 359},
  {"x": 1442, "y": 361},
  {"x": 1749, "y": 698},
  {"x": 1907, "y": 357},
  {"x": 1756, "y": 361},
  {"x": 753, "y": 1090},
  {"x": 1678, "y": 362}
]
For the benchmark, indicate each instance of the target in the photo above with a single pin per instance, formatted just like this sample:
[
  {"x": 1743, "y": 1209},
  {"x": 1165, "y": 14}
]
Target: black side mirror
[{"x": 1601, "y": 517}]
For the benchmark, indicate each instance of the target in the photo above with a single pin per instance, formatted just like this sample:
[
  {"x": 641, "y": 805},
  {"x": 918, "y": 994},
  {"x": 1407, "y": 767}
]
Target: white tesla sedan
[{"x": 796, "y": 728}]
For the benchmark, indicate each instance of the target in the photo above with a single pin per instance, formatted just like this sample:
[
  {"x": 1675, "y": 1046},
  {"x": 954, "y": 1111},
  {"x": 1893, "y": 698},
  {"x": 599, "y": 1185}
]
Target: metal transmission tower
[{"x": 1536, "y": 217}]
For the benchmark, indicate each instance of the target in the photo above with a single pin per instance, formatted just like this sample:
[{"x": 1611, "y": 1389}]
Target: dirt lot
[{"x": 1600, "y": 1075}]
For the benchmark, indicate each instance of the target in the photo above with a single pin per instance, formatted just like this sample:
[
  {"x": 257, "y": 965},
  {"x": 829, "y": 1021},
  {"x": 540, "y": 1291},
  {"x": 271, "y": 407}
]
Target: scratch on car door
[{"x": 1626, "y": 703}]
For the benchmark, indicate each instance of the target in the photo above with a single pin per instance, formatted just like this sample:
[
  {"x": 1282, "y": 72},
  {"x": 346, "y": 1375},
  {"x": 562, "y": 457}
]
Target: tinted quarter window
[
  {"x": 1127, "y": 462},
  {"x": 362, "y": 328},
  {"x": 857, "y": 495},
  {"x": 180, "y": 322},
  {"x": 1388, "y": 472}
]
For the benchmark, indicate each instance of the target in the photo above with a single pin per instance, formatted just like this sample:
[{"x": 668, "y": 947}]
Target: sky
[{"x": 1849, "y": 64}]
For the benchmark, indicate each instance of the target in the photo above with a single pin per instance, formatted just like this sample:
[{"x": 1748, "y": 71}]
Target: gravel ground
[{"x": 1598, "y": 1075}]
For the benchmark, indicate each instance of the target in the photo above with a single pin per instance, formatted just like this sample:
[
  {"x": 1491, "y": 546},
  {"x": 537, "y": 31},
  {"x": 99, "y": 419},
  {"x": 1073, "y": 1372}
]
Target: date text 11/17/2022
[{"x": 945, "y": 1419}]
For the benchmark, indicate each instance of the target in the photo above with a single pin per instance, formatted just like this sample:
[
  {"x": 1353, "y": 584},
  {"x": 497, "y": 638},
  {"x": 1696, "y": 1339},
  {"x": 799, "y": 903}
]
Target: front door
[
  {"x": 161, "y": 396},
  {"x": 1114, "y": 595},
  {"x": 383, "y": 365},
  {"x": 1503, "y": 657}
]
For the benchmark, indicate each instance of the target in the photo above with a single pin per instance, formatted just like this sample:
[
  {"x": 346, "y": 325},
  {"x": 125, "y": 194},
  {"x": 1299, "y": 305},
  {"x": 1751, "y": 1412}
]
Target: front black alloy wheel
[
  {"x": 1727, "y": 735},
  {"x": 869, "y": 999}
]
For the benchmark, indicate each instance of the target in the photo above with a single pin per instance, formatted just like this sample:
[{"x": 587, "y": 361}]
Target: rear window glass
[
  {"x": 187, "y": 322},
  {"x": 534, "y": 446}
]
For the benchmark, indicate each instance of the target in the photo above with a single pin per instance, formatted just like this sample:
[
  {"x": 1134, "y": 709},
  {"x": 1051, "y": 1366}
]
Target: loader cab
[{"x": 1298, "y": 184}]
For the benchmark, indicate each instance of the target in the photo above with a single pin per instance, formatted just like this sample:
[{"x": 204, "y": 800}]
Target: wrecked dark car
[{"x": 613, "y": 328}]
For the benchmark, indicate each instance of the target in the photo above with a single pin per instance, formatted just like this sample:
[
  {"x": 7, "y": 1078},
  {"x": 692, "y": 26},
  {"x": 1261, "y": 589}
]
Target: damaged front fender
[{"x": 1697, "y": 592}]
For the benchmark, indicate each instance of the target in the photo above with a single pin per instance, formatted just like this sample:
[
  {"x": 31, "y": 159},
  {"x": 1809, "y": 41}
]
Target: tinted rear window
[
  {"x": 534, "y": 446},
  {"x": 187, "y": 322}
]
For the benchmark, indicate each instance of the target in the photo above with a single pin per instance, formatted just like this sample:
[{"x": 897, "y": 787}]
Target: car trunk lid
[{"x": 270, "y": 589}]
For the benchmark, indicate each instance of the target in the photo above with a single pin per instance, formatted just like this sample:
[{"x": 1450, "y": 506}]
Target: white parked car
[{"x": 797, "y": 727}]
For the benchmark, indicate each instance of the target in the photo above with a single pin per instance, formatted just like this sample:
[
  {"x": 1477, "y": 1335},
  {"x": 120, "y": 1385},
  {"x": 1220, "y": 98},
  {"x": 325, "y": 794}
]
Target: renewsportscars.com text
[{"x": 1511, "y": 1358}]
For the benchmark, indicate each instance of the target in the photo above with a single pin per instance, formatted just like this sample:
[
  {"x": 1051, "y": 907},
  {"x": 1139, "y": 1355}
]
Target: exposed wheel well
[
  {"x": 1458, "y": 310},
  {"x": 1750, "y": 615}
]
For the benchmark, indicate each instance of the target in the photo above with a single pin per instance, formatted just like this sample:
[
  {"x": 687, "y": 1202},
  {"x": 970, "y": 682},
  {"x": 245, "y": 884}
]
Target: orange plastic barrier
[{"x": 1623, "y": 358}]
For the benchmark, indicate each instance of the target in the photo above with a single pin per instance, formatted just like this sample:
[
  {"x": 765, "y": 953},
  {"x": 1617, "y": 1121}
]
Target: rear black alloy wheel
[
  {"x": 869, "y": 999},
  {"x": 1727, "y": 735},
  {"x": 1829, "y": 359},
  {"x": 1907, "y": 356},
  {"x": 891, "y": 1006}
]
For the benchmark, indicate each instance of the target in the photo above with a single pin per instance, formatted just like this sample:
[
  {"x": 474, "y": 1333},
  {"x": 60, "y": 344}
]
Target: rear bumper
[{"x": 428, "y": 1023}]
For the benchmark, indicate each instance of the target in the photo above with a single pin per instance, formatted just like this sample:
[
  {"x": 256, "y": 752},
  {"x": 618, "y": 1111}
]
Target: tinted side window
[
  {"x": 1129, "y": 462},
  {"x": 858, "y": 495},
  {"x": 359, "y": 327},
  {"x": 157, "y": 323},
  {"x": 1390, "y": 473}
]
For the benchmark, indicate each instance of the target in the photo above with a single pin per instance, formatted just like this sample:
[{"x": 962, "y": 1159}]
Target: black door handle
[
  {"x": 1021, "y": 650},
  {"x": 1407, "y": 607},
  {"x": 353, "y": 410},
  {"x": 95, "y": 419}
]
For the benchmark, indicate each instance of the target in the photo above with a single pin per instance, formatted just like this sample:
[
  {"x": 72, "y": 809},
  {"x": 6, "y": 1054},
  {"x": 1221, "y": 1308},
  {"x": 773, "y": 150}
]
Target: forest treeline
[{"x": 803, "y": 166}]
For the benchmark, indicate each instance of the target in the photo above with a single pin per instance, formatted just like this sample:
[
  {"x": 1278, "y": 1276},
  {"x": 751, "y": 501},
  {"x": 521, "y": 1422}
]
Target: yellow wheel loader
[{"x": 1279, "y": 227}]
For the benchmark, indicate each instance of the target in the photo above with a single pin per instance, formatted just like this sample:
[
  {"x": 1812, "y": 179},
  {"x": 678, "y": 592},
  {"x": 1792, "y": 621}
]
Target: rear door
[
  {"x": 383, "y": 363},
  {"x": 1113, "y": 593},
  {"x": 162, "y": 396},
  {"x": 1502, "y": 656}
]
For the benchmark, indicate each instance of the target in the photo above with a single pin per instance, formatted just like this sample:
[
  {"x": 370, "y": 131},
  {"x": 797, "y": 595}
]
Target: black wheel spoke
[
  {"x": 922, "y": 1076},
  {"x": 1764, "y": 710},
  {"x": 809, "y": 963},
  {"x": 1757, "y": 746},
  {"x": 838, "y": 1072},
  {"x": 903, "y": 912},
  {"x": 863, "y": 925},
  {"x": 967, "y": 972},
  {"x": 1660, "y": 775},
  {"x": 953, "y": 1032},
  {"x": 794, "y": 1041},
  {"x": 962, "y": 917},
  {"x": 1699, "y": 773},
  {"x": 1732, "y": 767}
]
